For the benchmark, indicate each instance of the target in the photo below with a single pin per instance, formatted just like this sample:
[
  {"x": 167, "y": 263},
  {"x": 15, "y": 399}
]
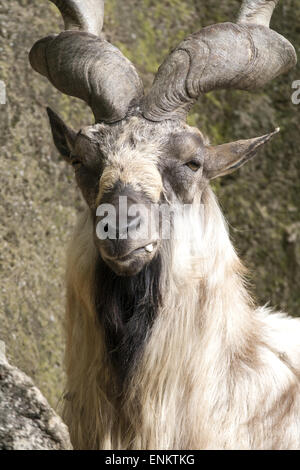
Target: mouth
[
  {"x": 132, "y": 262},
  {"x": 142, "y": 250}
]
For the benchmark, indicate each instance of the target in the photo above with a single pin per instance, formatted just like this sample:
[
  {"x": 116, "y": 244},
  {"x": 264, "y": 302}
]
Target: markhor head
[{"x": 140, "y": 148}]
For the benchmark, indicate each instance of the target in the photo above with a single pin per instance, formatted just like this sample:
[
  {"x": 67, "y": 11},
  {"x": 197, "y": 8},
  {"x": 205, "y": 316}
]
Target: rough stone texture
[
  {"x": 26, "y": 420},
  {"x": 38, "y": 199}
]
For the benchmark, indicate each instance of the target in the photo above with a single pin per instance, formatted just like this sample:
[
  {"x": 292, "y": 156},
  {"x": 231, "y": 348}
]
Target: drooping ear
[
  {"x": 63, "y": 136},
  {"x": 224, "y": 159}
]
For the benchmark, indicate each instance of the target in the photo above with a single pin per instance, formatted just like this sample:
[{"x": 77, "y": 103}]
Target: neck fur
[{"x": 204, "y": 320}]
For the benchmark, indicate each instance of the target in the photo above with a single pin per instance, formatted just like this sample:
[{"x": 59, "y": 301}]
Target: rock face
[{"x": 26, "y": 420}]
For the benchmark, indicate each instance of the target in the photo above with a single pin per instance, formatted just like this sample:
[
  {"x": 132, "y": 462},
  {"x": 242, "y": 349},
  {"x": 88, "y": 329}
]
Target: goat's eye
[
  {"x": 76, "y": 164},
  {"x": 193, "y": 165}
]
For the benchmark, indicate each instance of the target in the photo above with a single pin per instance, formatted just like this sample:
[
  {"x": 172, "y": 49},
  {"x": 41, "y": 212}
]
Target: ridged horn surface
[
  {"x": 79, "y": 63},
  {"x": 242, "y": 56},
  {"x": 83, "y": 15}
]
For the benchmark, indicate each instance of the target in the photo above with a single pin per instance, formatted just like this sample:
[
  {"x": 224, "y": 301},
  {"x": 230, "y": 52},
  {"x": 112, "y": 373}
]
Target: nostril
[
  {"x": 121, "y": 231},
  {"x": 134, "y": 224}
]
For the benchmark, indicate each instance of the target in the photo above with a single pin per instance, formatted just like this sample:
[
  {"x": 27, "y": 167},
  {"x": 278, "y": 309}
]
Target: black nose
[{"x": 123, "y": 225}]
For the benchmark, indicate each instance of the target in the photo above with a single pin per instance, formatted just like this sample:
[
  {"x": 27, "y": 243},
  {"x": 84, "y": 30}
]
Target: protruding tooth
[{"x": 149, "y": 248}]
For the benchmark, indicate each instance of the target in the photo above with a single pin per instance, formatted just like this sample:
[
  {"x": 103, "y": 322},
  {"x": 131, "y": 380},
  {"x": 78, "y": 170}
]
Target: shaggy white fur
[{"x": 216, "y": 372}]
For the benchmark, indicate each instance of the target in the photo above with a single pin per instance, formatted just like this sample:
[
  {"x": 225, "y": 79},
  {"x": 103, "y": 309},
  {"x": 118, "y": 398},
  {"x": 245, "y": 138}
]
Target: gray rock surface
[{"x": 27, "y": 422}]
